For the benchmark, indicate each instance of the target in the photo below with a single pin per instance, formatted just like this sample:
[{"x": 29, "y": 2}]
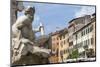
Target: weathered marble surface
[{"x": 24, "y": 49}]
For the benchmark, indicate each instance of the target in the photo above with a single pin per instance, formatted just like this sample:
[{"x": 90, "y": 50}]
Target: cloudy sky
[{"x": 56, "y": 16}]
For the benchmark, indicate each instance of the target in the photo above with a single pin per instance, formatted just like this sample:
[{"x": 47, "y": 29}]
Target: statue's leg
[
  {"x": 29, "y": 48},
  {"x": 24, "y": 50},
  {"x": 17, "y": 53}
]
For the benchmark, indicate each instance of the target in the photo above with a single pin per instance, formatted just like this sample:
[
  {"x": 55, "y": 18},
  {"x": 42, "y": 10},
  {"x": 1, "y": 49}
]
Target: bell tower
[{"x": 42, "y": 29}]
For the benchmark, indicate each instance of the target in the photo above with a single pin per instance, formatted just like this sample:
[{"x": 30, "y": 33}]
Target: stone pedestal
[{"x": 32, "y": 59}]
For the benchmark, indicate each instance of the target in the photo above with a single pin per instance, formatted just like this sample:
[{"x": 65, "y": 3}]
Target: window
[
  {"x": 57, "y": 38},
  {"x": 88, "y": 42},
  {"x": 82, "y": 33},
  {"x": 61, "y": 52},
  {"x": 71, "y": 43},
  {"x": 91, "y": 28},
  {"x": 88, "y": 29},
  {"x": 53, "y": 49},
  {"x": 64, "y": 51},
  {"x": 91, "y": 41},
  {"x": 57, "y": 43}
]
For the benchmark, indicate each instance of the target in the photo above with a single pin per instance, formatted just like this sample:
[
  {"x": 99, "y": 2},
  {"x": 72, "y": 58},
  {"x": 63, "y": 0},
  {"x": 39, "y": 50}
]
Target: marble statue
[{"x": 23, "y": 36}]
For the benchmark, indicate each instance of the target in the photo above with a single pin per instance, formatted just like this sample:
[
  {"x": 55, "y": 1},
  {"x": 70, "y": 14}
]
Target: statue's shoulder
[{"x": 22, "y": 18}]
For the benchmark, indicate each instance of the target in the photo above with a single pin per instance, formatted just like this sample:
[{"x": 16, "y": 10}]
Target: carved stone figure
[{"x": 23, "y": 36}]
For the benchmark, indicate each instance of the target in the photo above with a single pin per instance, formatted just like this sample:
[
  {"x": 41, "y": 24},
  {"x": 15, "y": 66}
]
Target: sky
[{"x": 56, "y": 16}]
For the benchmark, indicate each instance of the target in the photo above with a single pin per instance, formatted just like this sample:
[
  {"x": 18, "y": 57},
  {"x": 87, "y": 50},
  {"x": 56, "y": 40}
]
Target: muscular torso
[
  {"x": 25, "y": 25},
  {"x": 28, "y": 33}
]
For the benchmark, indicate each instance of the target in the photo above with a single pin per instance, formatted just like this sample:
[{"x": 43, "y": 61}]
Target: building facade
[
  {"x": 83, "y": 36},
  {"x": 54, "y": 46},
  {"x": 59, "y": 46},
  {"x": 63, "y": 45}
]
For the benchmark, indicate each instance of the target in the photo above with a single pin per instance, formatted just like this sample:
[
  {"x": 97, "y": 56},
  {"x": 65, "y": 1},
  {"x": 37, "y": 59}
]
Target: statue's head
[{"x": 29, "y": 10}]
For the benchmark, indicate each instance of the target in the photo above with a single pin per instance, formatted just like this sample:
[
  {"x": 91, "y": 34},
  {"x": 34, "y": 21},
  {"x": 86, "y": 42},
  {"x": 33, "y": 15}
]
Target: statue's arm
[{"x": 21, "y": 22}]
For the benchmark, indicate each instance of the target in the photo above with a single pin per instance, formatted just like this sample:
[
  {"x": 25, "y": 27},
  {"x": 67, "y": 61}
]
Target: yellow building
[
  {"x": 63, "y": 45},
  {"x": 59, "y": 46},
  {"x": 54, "y": 45}
]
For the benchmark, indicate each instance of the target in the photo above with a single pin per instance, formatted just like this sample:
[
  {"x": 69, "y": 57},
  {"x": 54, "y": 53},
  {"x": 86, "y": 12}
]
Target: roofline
[
  {"x": 74, "y": 19},
  {"x": 84, "y": 26},
  {"x": 80, "y": 17},
  {"x": 58, "y": 32}
]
